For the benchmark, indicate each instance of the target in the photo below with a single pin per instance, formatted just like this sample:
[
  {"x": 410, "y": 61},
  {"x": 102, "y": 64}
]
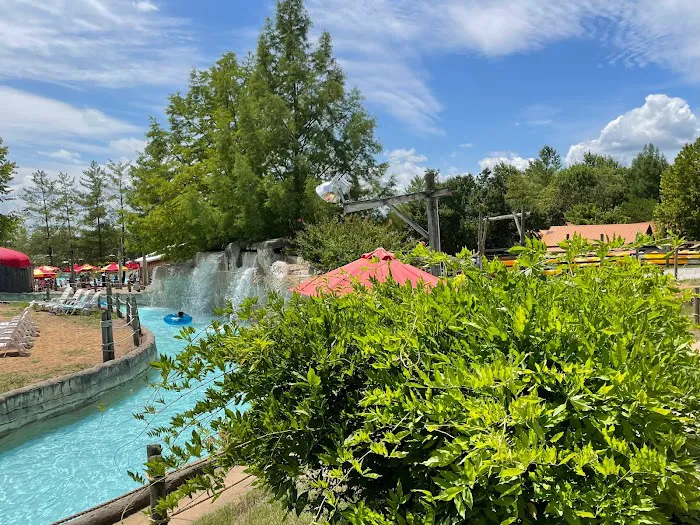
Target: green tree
[
  {"x": 67, "y": 208},
  {"x": 644, "y": 174},
  {"x": 8, "y": 221},
  {"x": 679, "y": 209},
  {"x": 94, "y": 199},
  {"x": 248, "y": 143},
  {"x": 118, "y": 176},
  {"x": 338, "y": 241},
  {"x": 40, "y": 206}
]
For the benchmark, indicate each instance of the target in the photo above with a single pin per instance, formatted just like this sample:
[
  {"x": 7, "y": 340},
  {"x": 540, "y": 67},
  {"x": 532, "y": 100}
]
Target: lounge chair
[
  {"x": 89, "y": 305},
  {"x": 75, "y": 303},
  {"x": 17, "y": 335},
  {"x": 44, "y": 305}
]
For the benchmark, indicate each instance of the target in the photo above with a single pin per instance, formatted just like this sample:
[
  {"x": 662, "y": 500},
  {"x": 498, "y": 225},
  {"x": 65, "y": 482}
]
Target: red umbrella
[
  {"x": 131, "y": 265},
  {"x": 40, "y": 274},
  {"x": 379, "y": 264},
  {"x": 76, "y": 269},
  {"x": 13, "y": 259},
  {"x": 111, "y": 268}
]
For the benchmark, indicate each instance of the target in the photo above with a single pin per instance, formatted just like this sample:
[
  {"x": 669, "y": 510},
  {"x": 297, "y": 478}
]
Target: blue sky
[{"x": 454, "y": 84}]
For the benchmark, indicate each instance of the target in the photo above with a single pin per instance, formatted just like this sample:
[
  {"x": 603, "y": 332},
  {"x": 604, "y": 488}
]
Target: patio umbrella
[
  {"x": 111, "y": 268},
  {"x": 76, "y": 268},
  {"x": 379, "y": 264},
  {"x": 88, "y": 268},
  {"x": 49, "y": 269},
  {"x": 131, "y": 265},
  {"x": 38, "y": 274}
]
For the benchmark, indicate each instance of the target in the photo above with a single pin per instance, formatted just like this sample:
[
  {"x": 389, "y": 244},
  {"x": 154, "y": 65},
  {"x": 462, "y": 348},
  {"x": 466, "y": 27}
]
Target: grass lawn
[{"x": 254, "y": 508}]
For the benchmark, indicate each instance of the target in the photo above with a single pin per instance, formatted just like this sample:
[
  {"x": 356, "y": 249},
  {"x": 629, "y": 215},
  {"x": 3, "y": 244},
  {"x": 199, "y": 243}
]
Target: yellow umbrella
[{"x": 38, "y": 274}]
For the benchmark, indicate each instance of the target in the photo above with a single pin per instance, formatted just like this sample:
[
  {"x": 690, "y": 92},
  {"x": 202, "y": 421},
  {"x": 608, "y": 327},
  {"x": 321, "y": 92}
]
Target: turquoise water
[{"x": 59, "y": 467}]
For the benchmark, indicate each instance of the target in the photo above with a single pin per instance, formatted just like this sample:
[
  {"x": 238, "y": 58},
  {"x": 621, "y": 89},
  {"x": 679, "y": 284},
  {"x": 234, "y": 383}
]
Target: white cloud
[
  {"x": 382, "y": 43},
  {"x": 504, "y": 157},
  {"x": 128, "y": 148},
  {"x": 466, "y": 145},
  {"x": 405, "y": 155},
  {"x": 61, "y": 134},
  {"x": 667, "y": 122},
  {"x": 63, "y": 154},
  {"x": 28, "y": 117},
  {"x": 405, "y": 165},
  {"x": 22, "y": 179},
  {"x": 115, "y": 43},
  {"x": 145, "y": 6}
]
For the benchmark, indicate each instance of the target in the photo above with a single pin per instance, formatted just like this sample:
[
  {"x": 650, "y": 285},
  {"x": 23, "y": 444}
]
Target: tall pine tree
[
  {"x": 94, "y": 198},
  {"x": 40, "y": 205}
]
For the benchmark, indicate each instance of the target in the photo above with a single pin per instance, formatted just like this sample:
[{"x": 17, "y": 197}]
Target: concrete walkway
[{"x": 191, "y": 509}]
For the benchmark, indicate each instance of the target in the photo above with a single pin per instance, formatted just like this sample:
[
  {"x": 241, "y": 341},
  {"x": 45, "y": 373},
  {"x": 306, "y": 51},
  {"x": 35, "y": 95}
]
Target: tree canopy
[
  {"x": 680, "y": 193},
  {"x": 249, "y": 141}
]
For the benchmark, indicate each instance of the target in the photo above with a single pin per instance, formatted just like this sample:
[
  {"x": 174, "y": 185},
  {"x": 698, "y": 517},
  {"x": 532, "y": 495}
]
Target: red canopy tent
[
  {"x": 379, "y": 264},
  {"x": 13, "y": 259}
]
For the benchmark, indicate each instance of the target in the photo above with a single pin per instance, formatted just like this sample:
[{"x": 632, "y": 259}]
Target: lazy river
[{"x": 53, "y": 469}]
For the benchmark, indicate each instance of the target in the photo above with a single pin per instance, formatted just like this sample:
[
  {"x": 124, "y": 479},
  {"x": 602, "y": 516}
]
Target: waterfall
[
  {"x": 182, "y": 286},
  {"x": 245, "y": 281},
  {"x": 211, "y": 279}
]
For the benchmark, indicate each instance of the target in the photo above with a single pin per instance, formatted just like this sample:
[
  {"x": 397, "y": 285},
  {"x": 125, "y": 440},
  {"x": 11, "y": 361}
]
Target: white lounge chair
[
  {"x": 44, "y": 305},
  {"x": 76, "y": 302},
  {"x": 89, "y": 305},
  {"x": 17, "y": 335}
]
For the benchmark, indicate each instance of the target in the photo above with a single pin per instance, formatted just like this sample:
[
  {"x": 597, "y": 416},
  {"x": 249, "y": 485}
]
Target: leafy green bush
[
  {"x": 340, "y": 240},
  {"x": 500, "y": 397}
]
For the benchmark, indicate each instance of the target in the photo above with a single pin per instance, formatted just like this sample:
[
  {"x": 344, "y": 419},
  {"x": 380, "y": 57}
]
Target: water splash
[{"x": 182, "y": 286}]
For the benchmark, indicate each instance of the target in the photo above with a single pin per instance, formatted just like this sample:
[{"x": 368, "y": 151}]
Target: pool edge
[{"x": 64, "y": 394}]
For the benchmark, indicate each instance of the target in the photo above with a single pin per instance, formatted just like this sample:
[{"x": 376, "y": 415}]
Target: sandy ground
[
  {"x": 191, "y": 509},
  {"x": 66, "y": 344}
]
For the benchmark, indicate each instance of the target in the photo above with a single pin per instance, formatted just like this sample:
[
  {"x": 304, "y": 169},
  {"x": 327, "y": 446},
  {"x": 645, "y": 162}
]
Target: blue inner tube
[{"x": 174, "y": 319}]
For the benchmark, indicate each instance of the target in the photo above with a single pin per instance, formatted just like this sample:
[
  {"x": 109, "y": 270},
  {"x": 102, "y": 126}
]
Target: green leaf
[{"x": 511, "y": 472}]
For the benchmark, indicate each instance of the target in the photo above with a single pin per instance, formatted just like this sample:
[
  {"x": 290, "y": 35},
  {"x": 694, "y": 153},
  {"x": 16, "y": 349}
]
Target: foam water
[{"x": 53, "y": 469}]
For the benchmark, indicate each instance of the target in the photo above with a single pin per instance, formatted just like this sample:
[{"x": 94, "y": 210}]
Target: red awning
[
  {"x": 379, "y": 264},
  {"x": 13, "y": 259}
]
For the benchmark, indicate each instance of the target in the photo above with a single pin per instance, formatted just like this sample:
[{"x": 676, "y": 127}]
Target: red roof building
[{"x": 595, "y": 232}]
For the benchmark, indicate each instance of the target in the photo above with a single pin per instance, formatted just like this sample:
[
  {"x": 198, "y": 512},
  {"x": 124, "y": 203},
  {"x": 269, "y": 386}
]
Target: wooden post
[
  {"x": 135, "y": 322},
  {"x": 118, "y": 306},
  {"x": 675, "y": 263},
  {"x": 156, "y": 487},
  {"x": 128, "y": 310},
  {"x": 107, "y": 337},
  {"x": 433, "y": 219},
  {"x": 144, "y": 271},
  {"x": 48, "y": 293},
  {"x": 109, "y": 298},
  {"x": 696, "y": 305},
  {"x": 522, "y": 226}
]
